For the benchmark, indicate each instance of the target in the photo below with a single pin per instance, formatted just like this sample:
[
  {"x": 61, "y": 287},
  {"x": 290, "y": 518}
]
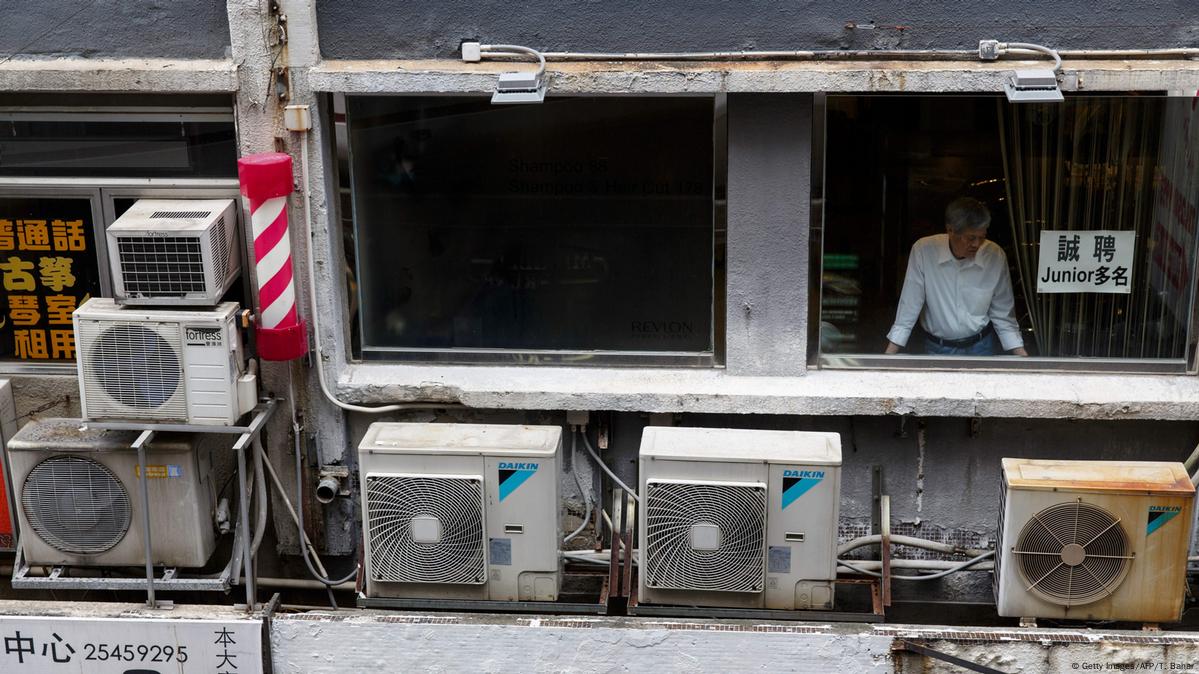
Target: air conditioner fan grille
[
  {"x": 76, "y": 505},
  {"x": 161, "y": 266},
  {"x": 135, "y": 366},
  {"x": 735, "y": 563},
  {"x": 397, "y": 556},
  {"x": 1073, "y": 553}
]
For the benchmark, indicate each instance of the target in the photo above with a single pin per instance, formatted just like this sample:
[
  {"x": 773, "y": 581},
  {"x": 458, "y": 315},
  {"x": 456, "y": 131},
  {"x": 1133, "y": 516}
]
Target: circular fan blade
[
  {"x": 425, "y": 529},
  {"x": 76, "y": 505},
  {"x": 1073, "y": 553}
]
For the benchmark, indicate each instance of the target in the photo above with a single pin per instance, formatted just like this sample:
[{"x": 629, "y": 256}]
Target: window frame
[
  {"x": 1189, "y": 364},
  {"x": 358, "y": 353}
]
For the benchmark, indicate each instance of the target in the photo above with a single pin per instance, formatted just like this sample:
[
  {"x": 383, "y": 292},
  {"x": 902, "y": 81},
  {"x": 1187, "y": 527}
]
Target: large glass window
[
  {"x": 1090, "y": 250},
  {"x": 580, "y": 227}
]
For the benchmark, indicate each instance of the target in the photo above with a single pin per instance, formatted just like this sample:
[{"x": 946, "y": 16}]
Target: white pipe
[
  {"x": 1009, "y": 47},
  {"x": 926, "y": 564},
  {"x": 603, "y": 466},
  {"x": 844, "y": 55},
  {"x": 302, "y": 584},
  {"x": 909, "y": 541},
  {"x": 513, "y": 50}
]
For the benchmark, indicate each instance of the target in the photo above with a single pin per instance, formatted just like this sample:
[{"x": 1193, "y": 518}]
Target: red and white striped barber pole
[{"x": 265, "y": 183}]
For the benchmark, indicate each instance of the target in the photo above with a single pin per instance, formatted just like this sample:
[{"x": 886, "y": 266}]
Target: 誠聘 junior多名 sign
[{"x": 1099, "y": 261}]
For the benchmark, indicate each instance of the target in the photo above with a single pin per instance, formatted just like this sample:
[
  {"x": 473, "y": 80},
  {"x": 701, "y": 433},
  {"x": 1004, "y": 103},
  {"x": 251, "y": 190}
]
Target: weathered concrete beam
[
  {"x": 1178, "y": 77},
  {"x": 820, "y": 393},
  {"x": 366, "y": 641},
  {"x": 119, "y": 75}
]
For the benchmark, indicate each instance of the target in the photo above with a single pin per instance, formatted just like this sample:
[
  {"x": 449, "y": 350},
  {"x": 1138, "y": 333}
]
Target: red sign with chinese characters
[{"x": 48, "y": 267}]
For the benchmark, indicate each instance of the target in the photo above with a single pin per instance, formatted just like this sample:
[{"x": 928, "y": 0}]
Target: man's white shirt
[{"x": 959, "y": 297}]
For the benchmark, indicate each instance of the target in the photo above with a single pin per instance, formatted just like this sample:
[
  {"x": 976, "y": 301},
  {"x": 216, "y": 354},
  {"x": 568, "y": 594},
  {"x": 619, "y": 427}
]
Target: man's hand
[
  {"x": 1018, "y": 351},
  {"x": 892, "y": 347}
]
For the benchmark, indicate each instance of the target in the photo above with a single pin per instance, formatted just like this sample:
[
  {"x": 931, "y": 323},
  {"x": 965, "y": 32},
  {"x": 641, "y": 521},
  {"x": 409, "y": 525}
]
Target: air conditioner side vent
[
  {"x": 220, "y": 247},
  {"x": 175, "y": 215}
]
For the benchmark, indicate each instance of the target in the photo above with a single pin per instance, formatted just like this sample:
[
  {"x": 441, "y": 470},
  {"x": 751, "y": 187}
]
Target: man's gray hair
[{"x": 966, "y": 213}]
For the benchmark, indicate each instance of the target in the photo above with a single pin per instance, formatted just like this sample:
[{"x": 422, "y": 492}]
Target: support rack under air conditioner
[{"x": 240, "y": 559}]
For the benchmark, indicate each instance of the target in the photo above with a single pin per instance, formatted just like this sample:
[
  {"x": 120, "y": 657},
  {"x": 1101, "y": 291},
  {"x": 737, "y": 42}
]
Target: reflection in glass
[{"x": 1126, "y": 163}]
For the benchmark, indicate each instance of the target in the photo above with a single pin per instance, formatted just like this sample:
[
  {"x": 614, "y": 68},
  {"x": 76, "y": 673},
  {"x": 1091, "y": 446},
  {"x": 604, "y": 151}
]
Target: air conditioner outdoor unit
[
  {"x": 79, "y": 497},
  {"x": 461, "y": 511},
  {"x": 738, "y": 518},
  {"x": 161, "y": 365},
  {"x": 1093, "y": 540},
  {"x": 174, "y": 252}
]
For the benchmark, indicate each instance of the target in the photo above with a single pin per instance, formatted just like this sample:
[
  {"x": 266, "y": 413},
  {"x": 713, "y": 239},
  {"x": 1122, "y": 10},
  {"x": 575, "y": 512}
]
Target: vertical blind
[{"x": 1099, "y": 164}]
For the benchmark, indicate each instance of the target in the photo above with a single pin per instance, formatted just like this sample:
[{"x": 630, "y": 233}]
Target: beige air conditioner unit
[
  {"x": 169, "y": 366},
  {"x": 461, "y": 511},
  {"x": 738, "y": 518},
  {"x": 79, "y": 497},
  {"x": 174, "y": 252},
  {"x": 1093, "y": 540}
]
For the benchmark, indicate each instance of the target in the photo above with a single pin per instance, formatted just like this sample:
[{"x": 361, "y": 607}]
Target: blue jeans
[{"x": 987, "y": 346}]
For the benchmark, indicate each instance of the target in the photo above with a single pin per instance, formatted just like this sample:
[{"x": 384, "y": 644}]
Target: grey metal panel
[
  {"x": 768, "y": 211},
  {"x": 385, "y": 29}
]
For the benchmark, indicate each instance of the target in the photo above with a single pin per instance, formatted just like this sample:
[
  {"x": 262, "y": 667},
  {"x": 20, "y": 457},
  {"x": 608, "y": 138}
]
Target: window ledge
[{"x": 819, "y": 393}]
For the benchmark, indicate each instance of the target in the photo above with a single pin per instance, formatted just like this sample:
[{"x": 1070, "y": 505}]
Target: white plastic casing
[
  {"x": 190, "y": 375},
  {"x": 1153, "y": 503},
  {"x": 174, "y": 252},
  {"x": 800, "y": 542},
  {"x": 180, "y": 490},
  {"x": 522, "y": 531}
]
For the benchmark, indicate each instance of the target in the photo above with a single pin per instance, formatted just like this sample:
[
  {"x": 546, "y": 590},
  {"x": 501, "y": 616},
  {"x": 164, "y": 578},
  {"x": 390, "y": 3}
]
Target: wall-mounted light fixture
[
  {"x": 518, "y": 87},
  {"x": 1026, "y": 85}
]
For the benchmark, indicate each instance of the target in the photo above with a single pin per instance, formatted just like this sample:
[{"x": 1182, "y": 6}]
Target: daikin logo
[
  {"x": 513, "y": 475},
  {"x": 796, "y": 483},
  {"x": 1159, "y": 515}
]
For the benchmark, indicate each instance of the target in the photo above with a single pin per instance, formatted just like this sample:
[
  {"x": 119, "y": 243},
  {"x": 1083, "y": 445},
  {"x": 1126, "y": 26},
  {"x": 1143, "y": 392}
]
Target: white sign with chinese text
[
  {"x": 63, "y": 645},
  {"x": 1099, "y": 261}
]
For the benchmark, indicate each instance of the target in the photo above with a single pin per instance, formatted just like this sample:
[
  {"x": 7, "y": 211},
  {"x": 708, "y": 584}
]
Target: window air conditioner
[
  {"x": 79, "y": 497},
  {"x": 174, "y": 252},
  {"x": 161, "y": 365},
  {"x": 1093, "y": 540},
  {"x": 461, "y": 511},
  {"x": 739, "y": 518}
]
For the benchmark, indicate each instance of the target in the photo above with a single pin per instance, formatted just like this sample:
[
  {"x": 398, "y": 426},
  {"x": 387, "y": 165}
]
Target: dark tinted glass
[
  {"x": 578, "y": 224},
  {"x": 112, "y": 147}
]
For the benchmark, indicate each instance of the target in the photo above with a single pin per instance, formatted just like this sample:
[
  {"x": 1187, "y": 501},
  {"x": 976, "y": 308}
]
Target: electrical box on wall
[
  {"x": 461, "y": 511},
  {"x": 739, "y": 518}
]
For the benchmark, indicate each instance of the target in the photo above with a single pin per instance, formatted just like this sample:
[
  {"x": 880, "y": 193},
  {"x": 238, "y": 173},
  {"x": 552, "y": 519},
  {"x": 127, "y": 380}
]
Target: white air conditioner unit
[
  {"x": 738, "y": 518},
  {"x": 161, "y": 365},
  {"x": 1093, "y": 540},
  {"x": 174, "y": 252},
  {"x": 461, "y": 511},
  {"x": 79, "y": 497}
]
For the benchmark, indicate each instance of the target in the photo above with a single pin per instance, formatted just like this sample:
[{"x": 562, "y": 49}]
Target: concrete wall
[
  {"x": 364, "y": 29},
  {"x": 114, "y": 29},
  {"x": 768, "y": 204}
]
